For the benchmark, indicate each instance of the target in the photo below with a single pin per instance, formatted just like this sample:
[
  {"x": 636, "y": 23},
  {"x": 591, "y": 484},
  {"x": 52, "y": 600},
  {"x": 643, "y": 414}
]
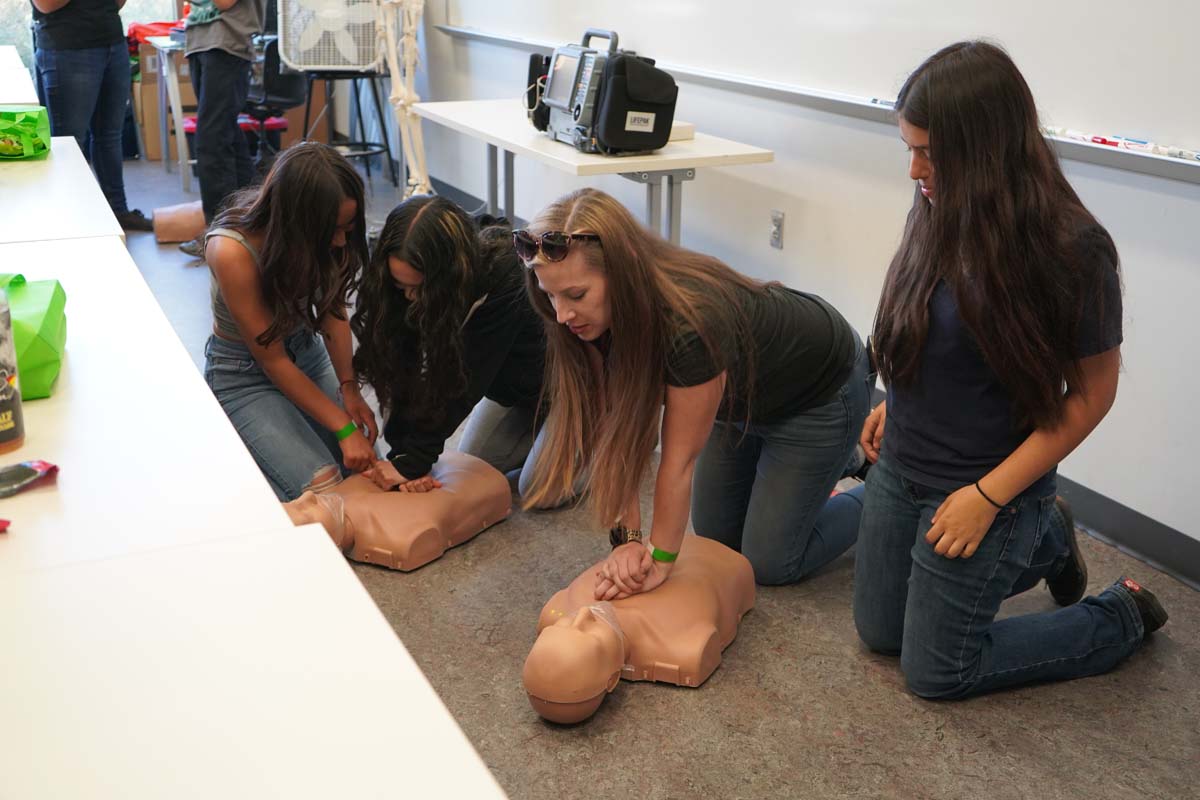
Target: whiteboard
[{"x": 1103, "y": 67}]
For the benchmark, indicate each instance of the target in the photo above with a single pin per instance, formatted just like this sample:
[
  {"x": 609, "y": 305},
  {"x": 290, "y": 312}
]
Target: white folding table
[
  {"x": 54, "y": 197},
  {"x": 147, "y": 457},
  {"x": 502, "y": 125},
  {"x": 16, "y": 85},
  {"x": 253, "y": 666},
  {"x": 10, "y": 59}
]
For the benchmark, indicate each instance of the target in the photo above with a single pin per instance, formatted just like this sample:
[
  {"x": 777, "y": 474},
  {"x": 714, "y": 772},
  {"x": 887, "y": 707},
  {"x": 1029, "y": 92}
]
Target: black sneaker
[
  {"x": 194, "y": 247},
  {"x": 1153, "y": 615},
  {"x": 1068, "y": 586},
  {"x": 134, "y": 220}
]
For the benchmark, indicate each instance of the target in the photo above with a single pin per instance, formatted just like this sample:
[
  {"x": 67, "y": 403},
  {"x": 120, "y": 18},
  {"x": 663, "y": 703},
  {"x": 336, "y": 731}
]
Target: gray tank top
[{"x": 222, "y": 319}]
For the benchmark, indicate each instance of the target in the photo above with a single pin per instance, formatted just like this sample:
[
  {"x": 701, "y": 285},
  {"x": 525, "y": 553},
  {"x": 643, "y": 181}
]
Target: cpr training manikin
[{"x": 673, "y": 634}]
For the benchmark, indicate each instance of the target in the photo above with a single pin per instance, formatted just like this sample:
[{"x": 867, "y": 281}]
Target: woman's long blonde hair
[{"x": 606, "y": 426}]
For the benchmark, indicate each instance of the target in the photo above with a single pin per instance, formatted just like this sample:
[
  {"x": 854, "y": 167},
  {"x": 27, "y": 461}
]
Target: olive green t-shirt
[{"x": 803, "y": 352}]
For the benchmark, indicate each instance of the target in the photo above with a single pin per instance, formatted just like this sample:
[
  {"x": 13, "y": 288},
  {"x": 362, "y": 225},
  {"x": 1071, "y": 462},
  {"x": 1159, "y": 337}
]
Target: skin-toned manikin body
[
  {"x": 406, "y": 530},
  {"x": 675, "y": 634}
]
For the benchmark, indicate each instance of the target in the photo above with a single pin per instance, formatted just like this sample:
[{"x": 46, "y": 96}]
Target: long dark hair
[
  {"x": 1003, "y": 232},
  {"x": 412, "y": 352},
  {"x": 303, "y": 278},
  {"x": 607, "y": 427}
]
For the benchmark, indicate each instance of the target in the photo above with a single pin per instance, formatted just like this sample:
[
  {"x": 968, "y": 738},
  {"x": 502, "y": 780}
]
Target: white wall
[
  {"x": 1106, "y": 66},
  {"x": 843, "y": 185}
]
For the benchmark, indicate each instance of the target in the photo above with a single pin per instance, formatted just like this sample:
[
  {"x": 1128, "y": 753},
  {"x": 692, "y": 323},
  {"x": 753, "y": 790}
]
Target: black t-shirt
[
  {"x": 78, "y": 25},
  {"x": 504, "y": 349},
  {"x": 804, "y": 351},
  {"x": 956, "y": 423}
]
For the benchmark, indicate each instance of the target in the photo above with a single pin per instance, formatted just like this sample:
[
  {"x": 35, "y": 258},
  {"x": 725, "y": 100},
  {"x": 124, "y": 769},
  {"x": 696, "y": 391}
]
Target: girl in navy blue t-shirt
[{"x": 998, "y": 335}]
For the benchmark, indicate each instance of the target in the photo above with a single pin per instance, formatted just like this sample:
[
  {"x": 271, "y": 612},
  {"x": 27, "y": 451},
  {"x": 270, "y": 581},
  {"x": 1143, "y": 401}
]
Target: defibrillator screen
[{"x": 562, "y": 80}]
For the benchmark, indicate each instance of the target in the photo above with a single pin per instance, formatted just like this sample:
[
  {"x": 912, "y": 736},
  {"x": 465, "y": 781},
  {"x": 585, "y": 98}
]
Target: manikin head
[
  {"x": 574, "y": 663},
  {"x": 328, "y": 510}
]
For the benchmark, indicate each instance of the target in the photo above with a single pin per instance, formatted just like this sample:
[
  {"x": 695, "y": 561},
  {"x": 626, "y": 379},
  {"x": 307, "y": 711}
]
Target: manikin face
[
  {"x": 578, "y": 293},
  {"x": 347, "y": 211},
  {"x": 920, "y": 167},
  {"x": 407, "y": 278},
  {"x": 575, "y": 659}
]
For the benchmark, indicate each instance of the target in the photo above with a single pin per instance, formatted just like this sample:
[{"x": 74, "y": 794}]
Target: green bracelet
[
  {"x": 658, "y": 554},
  {"x": 346, "y": 432}
]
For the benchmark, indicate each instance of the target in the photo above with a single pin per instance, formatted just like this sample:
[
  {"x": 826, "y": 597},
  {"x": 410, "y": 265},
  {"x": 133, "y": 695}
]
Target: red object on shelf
[
  {"x": 245, "y": 122},
  {"x": 141, "y": 31}
]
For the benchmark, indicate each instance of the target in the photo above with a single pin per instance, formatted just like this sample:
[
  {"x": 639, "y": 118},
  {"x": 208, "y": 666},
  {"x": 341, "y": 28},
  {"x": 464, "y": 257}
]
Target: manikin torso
[
  {"x": 674, "y": 634},
  {"x": 403, "y": 530}
]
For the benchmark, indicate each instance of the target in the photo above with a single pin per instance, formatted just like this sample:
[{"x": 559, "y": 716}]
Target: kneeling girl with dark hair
[
  {"x": 998, "y": 334},
  {"x": 445, "y": 330},
  {"x": 285, "y": 258}
]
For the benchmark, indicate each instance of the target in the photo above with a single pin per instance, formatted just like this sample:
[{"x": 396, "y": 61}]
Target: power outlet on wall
[{"x": 777, "y": 229}]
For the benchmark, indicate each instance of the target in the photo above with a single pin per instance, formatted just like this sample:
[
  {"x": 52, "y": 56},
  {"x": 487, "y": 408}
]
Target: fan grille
[{"x": 328, "y": 35}]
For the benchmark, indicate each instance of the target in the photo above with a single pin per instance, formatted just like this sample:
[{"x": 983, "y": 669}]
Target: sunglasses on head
[{"x": 554, "y": 244}]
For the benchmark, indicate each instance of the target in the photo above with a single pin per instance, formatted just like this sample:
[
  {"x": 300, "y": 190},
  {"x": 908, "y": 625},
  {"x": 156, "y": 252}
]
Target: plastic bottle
[{"x": 12, "y": 423}]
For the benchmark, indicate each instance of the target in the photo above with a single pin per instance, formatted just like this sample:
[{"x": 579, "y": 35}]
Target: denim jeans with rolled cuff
[
  {"x": 289, "y": 446},
  {"x": 939, "y": 614}
]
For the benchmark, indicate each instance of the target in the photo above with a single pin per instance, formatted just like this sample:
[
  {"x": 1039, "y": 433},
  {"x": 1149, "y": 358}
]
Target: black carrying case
[{"x": 636, "y": 105}]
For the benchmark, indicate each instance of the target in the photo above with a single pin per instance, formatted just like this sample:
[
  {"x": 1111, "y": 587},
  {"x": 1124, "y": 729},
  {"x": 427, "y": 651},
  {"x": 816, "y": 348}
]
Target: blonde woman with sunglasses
[{"x": 762, "y": 392}]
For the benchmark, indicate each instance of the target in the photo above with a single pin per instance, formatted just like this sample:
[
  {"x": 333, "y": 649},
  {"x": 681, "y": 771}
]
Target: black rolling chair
[{"x": 273, "y": 91}]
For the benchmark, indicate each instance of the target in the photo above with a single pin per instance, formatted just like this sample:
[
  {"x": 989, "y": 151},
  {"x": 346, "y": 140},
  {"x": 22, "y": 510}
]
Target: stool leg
[
  {"x": 356, "y": 115},
  {"x": 307, "y": 108},
  {"x": 328, "y": 111},
  {"x": 383, "y": 131}
]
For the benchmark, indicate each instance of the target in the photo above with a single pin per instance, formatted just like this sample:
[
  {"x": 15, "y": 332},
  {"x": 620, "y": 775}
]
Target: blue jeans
[
  {"x": 290, "y": 447},
  {"x": 500, "y": 435},
  {"x": 766, "y": 493},
  {"x": 222, "y": 81},
  {"x": 939, "y": 614},
  {"x": 85, "y": 92}
]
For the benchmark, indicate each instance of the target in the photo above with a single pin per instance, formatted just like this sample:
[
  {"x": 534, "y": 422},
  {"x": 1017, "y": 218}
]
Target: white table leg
[
  {"x": 674, "y": 206},
  {"x": 493, "y": 189},
  {"x": 162, "y": 111},
  {"x": 654, "y": 198},
  {"x": 510, "y": 210},
  {"x": 172, "y": 79},
  {"x": 654, "y": 203}
]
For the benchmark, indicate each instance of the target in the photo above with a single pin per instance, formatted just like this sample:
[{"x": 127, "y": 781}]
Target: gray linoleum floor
[{"x": 798, "y": 709}]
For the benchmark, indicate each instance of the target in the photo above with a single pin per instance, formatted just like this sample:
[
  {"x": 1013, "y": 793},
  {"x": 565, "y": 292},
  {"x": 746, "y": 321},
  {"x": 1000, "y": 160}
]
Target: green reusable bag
[
  {"x": 24, "y": 132},
  {"x": 39, "y": 332}
]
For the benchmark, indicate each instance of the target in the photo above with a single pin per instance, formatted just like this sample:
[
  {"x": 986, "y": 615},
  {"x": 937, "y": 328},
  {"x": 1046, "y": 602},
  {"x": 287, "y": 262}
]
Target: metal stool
[{"x": 360, "y": 148}]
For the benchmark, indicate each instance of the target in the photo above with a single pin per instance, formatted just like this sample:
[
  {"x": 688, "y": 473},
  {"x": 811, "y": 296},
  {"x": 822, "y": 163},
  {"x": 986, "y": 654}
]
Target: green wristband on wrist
[
  {"x": 658, "y": 554},
  {"x": 346, "y": 432}
]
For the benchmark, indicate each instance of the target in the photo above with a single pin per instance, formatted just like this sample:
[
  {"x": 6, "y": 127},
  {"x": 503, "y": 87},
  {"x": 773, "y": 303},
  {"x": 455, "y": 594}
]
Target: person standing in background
[
  {"x": 219, "y": 54},
  {"x": 81, "y": 66}
]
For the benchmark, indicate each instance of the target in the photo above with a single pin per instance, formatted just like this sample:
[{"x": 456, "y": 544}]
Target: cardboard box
[
  {"x": 295, "y": 118},
  {"x": 148, "y": 58},
  {"x": 148, "y": 100}
]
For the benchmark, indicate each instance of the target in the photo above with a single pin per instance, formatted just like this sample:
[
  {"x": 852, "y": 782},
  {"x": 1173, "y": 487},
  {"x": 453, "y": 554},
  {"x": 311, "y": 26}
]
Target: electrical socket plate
[{"x": 777, "y": 229}]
